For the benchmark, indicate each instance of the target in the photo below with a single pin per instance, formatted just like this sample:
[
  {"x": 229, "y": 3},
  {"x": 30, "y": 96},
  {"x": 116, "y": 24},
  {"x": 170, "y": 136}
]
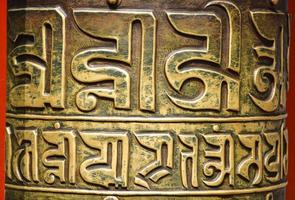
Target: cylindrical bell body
[{"x": 147, "y": 99}]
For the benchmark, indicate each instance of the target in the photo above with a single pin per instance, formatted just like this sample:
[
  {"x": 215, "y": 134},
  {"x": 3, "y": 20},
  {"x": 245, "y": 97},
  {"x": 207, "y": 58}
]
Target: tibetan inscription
[{"x": 128, "y": 100}]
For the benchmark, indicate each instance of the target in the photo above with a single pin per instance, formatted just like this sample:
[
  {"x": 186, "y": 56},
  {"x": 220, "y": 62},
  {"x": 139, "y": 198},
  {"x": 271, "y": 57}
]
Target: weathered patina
[{"x": 147, "y": 99}]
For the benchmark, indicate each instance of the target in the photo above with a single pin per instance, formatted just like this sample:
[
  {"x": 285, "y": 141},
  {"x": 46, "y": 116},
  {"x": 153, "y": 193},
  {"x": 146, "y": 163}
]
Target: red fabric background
[
  {"x": 3, "y": 11},
  {"x": 291, "y": 101},
  {"x": 291, "y": 110}
]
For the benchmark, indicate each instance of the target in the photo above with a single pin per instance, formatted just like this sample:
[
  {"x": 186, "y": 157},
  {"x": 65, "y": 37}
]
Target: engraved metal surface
[{"x": 147, "y": 99}]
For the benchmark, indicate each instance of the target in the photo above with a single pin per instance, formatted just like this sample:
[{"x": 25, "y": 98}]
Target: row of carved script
[
  {"x": 63, "y": 151},
  {"x": 36, "y": 57}
]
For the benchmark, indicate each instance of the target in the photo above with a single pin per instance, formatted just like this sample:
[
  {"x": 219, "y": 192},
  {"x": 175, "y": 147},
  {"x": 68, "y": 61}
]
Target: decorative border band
[
  {"x": 167, "y": 119},
  {"x": 150, "y": 193}
]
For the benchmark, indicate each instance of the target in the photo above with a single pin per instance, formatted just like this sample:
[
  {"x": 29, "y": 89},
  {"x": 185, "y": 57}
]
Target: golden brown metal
[{"x": 147, "y": 99}]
